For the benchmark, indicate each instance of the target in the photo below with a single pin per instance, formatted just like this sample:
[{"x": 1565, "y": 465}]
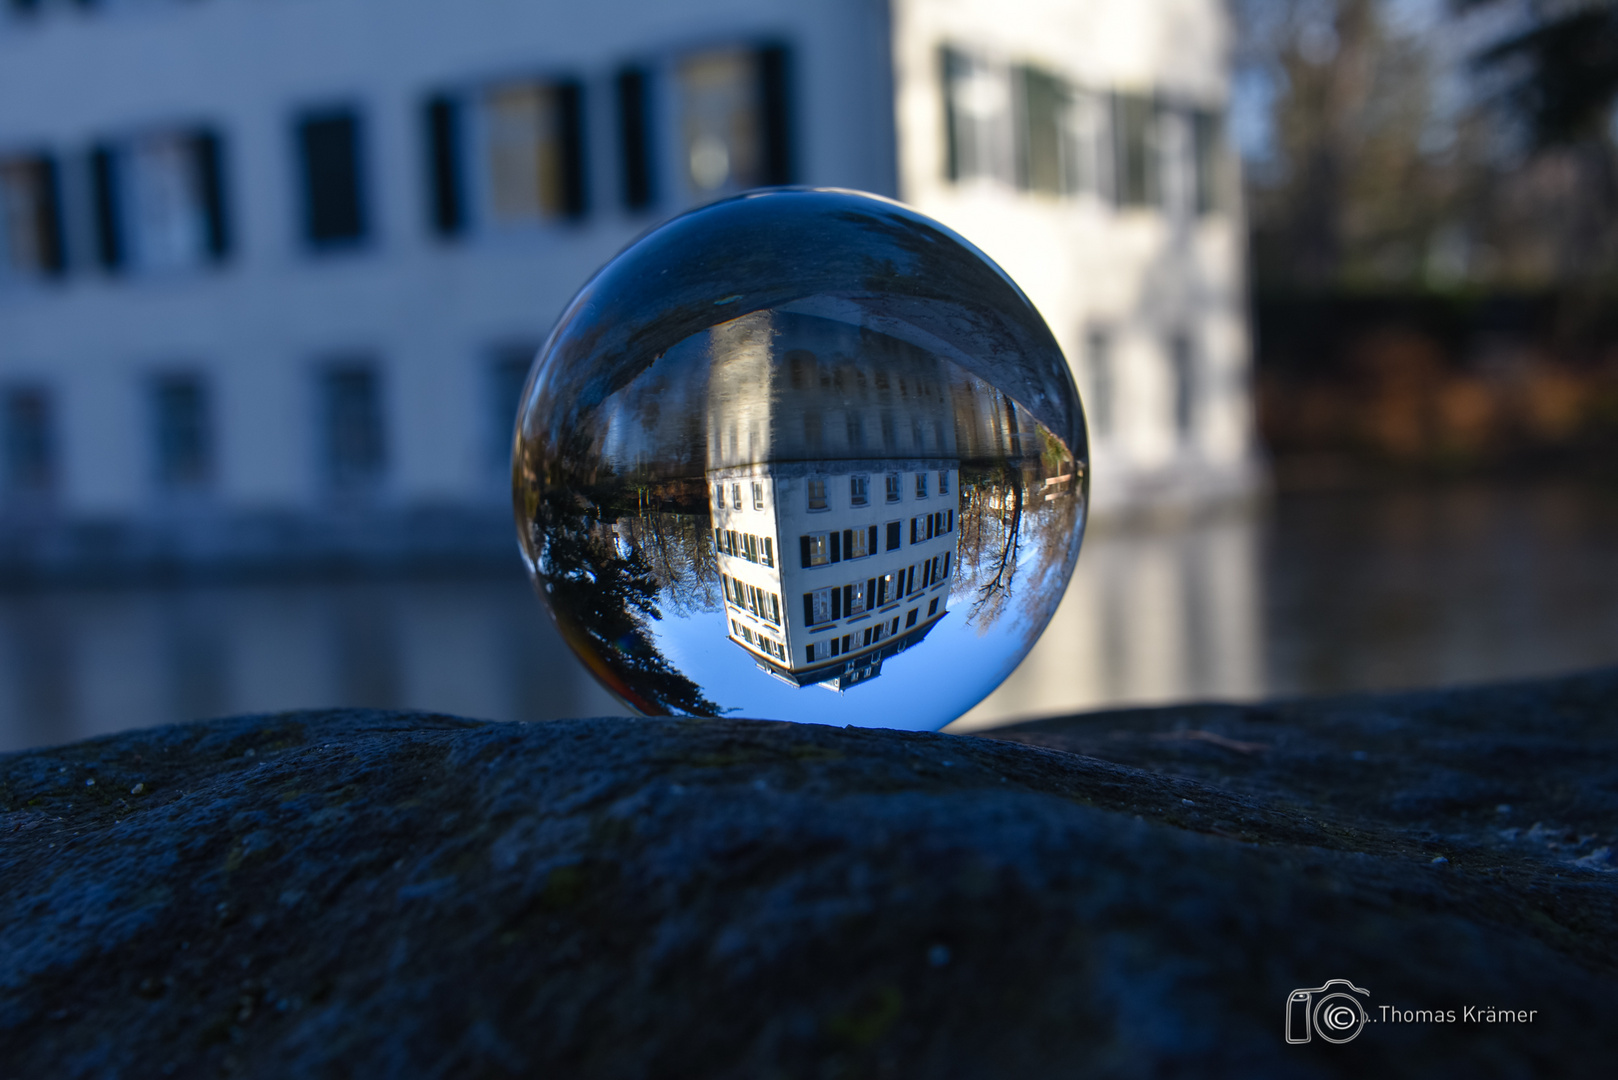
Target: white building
[
  {"x": 271, "y": 273},
  {"x": 833, "y": 461},
  {"x": 869, "y": 576}
]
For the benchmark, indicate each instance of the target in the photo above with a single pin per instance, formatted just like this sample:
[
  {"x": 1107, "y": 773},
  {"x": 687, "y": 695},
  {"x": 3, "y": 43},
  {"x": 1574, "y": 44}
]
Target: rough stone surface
[{"x": 370, "y": 894}]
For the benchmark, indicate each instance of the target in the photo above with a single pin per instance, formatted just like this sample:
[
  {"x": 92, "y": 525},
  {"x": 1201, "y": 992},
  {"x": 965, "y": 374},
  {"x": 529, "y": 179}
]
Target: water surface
[{"x": 1324, "y": 593}]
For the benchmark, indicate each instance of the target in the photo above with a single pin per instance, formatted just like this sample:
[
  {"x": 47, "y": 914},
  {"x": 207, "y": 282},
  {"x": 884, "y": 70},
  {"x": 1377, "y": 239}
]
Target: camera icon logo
[{"x": 1330, "y": 1011}]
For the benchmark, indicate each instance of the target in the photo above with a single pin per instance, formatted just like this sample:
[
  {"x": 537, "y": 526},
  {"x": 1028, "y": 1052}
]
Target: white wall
[
  {"x": 865, "y": 74},
  {"x": 260, "y": 325},
  {"x": 1139, "y": 273}
]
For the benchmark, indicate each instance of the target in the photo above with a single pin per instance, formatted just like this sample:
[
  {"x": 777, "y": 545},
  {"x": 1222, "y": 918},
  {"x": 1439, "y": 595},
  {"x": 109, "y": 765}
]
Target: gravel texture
[{"x": 1125, "y": 894}]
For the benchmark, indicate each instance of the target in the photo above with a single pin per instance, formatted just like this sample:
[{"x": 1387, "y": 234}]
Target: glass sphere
[{"x": 801, "y": 455}]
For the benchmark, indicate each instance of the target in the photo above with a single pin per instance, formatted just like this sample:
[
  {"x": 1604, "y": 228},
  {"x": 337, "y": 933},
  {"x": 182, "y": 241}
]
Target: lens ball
[{"x": 801, "y": 455}]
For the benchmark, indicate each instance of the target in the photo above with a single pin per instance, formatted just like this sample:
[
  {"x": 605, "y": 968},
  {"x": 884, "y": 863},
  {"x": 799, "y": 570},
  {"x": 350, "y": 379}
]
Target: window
[
  {"x": 1059, "y": 134},
  {"x": 895, "y": 536},
  {"x": 532, "y": 162},
  {"x": 1087, "y": 145},
  {"x": 446, "y": 187},
  {"x": 174, "y": 201},
  {"x": 910, "y": 619},
  {"x": 755, "y": 549},
  {"x": 858, "y": 490},
  {"x": 856, "y": 598},
  {"x": 735, "y": 496},
  {"x": 801, "y": 364},
  {"x": 893, "y": 487},
  {"x": 813, "y": 427},
  {"x": 30, "y": 218},
  {"x": 30, "y": 440},
  {"x": 733, "y": 119},
  {"x": 816, "y": 549},
  {"x": 719, "y": 496},
  {"x": 921, "y": 485},
  {"x": 858, "y": 543},
  {"x": 526, "y": 151},
  {"x": 943, "y": 481},
  {"x": 1098, "y": 362},
  {"x": 104, "y": 203},
  {"x": 977, "y": 118},
  {"x": 824, "y": 650},
  {"x": 1207, "y": 161},
  {"x": 183, "y": 436},
  {"x": 854, "y": 429},
  {"x": 887, "y": 588},
  {"x": 329, "y": 152},
  {"x": 1135, "y": 128},
  {"x": 159, "y": 201},
  {"x": 1042, "y": 130},
  {"x": 355, "y": 449},
  {"x": 635, "y": 138},
  {"x": 507, "y": 374},
  {"x": 758, "y": 495},
  {"x": 765, "y": 605},
  {"x": 817, "y": 606},
  {"x": 1182, "y": 360},
  {"x": 932, "y": 608},
  {"x": 817, "y": 495}
]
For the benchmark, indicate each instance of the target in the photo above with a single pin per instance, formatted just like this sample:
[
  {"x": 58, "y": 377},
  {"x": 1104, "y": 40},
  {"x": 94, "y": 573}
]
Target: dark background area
[{"x": 1432, "y": 189}]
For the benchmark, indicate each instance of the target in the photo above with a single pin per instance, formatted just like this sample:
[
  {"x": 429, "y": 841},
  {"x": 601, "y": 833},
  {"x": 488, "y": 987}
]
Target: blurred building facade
[{"x": 271, "y": 274}]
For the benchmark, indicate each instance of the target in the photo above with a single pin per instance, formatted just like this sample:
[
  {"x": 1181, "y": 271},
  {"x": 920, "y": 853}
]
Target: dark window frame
[
  {"x": 208, "y": 158},
  {"x": 48, "y": 224},
  {"x": 1183, "y": 366},
  {"x": 331, "y": 157},
  {"x": 506, "y": 374},
  {"x": 1208, "y": 161},
  {"x": 446, "y": 183},
  {"x": 1137, "y": 150},
  {"x": 182, "y": 428},
  {"x": 354, "y": 424},
  {"x": 1040, "y": 99},
  {"x": 776, "y": 109},
  {"x": 636, "y": 150},
  {"x": 31, "y": 446},
  {"x": 109, "y": 226}
]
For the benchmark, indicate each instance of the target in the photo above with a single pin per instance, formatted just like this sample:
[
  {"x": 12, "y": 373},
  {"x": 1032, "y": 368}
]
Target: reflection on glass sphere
[{"x": 801, "y": 455}]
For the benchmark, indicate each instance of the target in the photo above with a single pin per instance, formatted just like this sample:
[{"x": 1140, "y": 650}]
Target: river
[{"x": 1314, "y": 593}]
